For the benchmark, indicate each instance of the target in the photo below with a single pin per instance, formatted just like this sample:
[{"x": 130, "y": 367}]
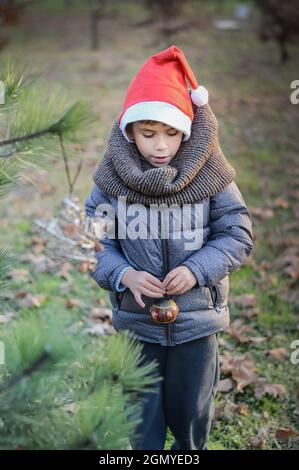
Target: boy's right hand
[{"x": 142, "y": 282}]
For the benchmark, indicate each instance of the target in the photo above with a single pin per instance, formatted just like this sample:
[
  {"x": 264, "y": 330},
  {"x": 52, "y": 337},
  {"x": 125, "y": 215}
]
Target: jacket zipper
[
  {"x": 165, "y": 265},
  {"x": 169, "y": 332},
  {"x": 214, "y": 295}
]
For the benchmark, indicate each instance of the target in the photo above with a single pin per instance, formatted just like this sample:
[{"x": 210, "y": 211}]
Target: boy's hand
[
  {"x": 179, "y": 280},
  {"x": 142, "y": 282}
]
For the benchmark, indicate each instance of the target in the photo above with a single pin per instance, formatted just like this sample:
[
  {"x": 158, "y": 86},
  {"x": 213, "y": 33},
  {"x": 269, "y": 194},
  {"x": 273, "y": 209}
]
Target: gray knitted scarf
[{"x": 199, "y": 169}]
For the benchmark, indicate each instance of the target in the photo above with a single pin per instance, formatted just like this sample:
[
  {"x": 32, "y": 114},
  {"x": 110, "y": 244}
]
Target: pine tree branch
[
  {"x": 24, "y": 138},
  {"x": 27, "y": 372},
  {"x": 10, "y": 154}
]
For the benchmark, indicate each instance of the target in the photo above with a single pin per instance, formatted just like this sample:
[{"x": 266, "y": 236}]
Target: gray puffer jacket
[{"x": 227, "y": 241}]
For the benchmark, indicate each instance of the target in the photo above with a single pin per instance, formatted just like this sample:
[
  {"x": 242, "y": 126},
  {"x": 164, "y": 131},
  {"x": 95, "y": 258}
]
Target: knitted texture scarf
[{"x": 198, "y": 171}]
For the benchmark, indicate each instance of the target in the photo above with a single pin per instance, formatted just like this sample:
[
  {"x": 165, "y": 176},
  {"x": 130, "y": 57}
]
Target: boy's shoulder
[
  {"x": 227, "y": 195},
  {"x": 98, "y": 195}
]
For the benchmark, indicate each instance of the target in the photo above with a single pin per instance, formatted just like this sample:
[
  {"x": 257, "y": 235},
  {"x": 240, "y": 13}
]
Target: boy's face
[{"x": 158, "y": 143}]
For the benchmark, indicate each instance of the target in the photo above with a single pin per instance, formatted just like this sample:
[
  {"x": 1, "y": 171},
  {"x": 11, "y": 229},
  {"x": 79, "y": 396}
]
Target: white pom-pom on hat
[{"x": 200, "y": 96}]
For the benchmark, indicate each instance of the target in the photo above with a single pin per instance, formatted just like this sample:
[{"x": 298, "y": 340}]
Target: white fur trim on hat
[
  {"x": 200, "y": 96},
  {"x": 156, "y": 111}
]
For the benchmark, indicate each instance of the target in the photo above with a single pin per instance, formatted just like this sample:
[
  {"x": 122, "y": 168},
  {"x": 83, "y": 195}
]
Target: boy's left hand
[{"x": 179, "y": 280}]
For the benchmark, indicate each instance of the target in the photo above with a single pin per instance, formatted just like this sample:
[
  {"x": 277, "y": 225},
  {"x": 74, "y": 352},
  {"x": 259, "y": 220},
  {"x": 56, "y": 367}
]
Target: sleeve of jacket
[
  {"x": 230, "y": 241},
  {"x": 110, "y": 261}
]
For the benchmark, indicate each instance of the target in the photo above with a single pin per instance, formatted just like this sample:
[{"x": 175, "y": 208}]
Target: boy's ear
[{"x": 129, "y": 131}]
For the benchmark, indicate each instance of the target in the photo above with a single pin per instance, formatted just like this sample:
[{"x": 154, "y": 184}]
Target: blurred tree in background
[
  {"x": 280, "y": 23},
  {"x": 10, "y": 14}
]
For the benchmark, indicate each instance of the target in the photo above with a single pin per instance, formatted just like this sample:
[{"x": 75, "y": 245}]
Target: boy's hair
[{"x": 129, "y": 127}]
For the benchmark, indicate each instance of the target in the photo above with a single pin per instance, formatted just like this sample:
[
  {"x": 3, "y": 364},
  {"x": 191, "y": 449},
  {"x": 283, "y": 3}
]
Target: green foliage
[
  {"x": 8, "y": 176},
  {"x": 76, "y": 117},
  {"x": 6, "y": 262},
  {"x": 33, "y": 119},
  {"x": 58, "y": 392},
  {"x": 13, "y": 77}
]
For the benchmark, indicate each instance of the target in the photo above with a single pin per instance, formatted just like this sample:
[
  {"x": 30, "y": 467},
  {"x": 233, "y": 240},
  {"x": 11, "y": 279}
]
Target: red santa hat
[{"x": 159, "y": 92}]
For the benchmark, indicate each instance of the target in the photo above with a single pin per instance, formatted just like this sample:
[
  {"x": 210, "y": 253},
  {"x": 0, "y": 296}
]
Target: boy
[{"x": 163, "y": 159}]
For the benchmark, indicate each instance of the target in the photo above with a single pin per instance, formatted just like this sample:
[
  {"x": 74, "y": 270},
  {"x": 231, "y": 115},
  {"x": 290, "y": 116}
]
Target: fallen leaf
[
  {"x": 237, "y": 331},
  {"x": 64, "y": 272},
  {"x": 19, "y": 274},
  {"x": 293, "y": 225},
  {"x": 264, "y": 265},
  {"x": 46, "y": 189},
  {"x": 99, "y": 329},
  {"x": 37, "y": 244},
  {"x": 290, "y": 243},
  {"x": 262, "y": 213},
  {"x": 260, "y": 440},
  {"x": 226, "y": 410},
  {"x": 101, "y": 313},
  {"x": 32, "y": 301},
  {"x": 241, "y": 368},
  {"x": 98, "y": 246},
  {"x": 278, "y": 354},
  {"x": 250, "y": 312},
  {"x": 41, "y": 263},
  {"x": 71, "y": 303},
  {"x": 263, "y": 388},
  {"x": 289, "y": 296},
  {"x": 225, "y": 385},
  {"x": 241, "y": 409},
  {"x": 280, "y": 203},
  {"x": 219, "y": 410},
  {"x": 21, "y": 294},
  {"x": 284, "y": 434},
  {"x": 288, "y": 262},
  {"x": 257, "y": 339},
  {"x": 38, "y": 249},
  {"x": 70, "y": 230},
  {"x": 83, "y": 267},
  {"x": 245, "y": 300},
  {"x": 36, "y": 240},
  {"x": 244, "y": 375}
]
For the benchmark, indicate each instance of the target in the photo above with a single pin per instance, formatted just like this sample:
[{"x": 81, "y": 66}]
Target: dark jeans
[{"x": 183, "y": 400}]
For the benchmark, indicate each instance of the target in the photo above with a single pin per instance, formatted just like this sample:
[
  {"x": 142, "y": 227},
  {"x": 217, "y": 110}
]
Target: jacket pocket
[
  {"x": 116, "y": 299},
  {"x": 219, "y": 293},
  {"x": 119, "y": 296},
  {"x": 214, "y": 297},
  {"x": 213, "y": 294}
]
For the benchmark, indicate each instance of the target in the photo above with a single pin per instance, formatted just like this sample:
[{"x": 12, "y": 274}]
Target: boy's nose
[{"x": 161, "y": 144}]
